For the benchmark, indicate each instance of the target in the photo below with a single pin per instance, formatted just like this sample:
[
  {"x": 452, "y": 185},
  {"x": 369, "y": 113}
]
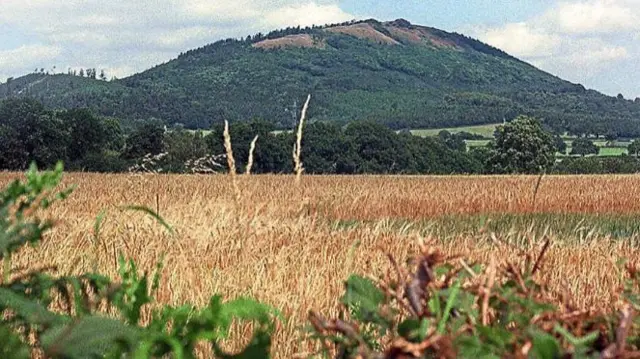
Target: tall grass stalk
[
  {"x": 230, "y": 160},
  {"x": 297, "y": 148},
  {"x": 251, "y": 150}
]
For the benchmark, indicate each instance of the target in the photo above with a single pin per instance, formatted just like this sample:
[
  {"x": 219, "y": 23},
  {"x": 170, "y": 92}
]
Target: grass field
[
  {"x": 488, "y": 130},
  {"x": 483, "y": 130},
  {"x": 292, "y": 247}
]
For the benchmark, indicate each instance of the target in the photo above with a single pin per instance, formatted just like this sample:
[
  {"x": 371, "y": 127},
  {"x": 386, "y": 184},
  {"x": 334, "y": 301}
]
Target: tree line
[{"x": 30, "y": 132}]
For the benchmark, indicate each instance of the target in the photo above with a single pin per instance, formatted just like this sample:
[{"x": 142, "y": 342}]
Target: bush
[{"x": 444, "y": 309}]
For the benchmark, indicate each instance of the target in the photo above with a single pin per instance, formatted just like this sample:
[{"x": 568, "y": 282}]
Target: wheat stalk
[
  {"x": 230, "y": 160},
  {"x": 250, "y": 161},
  {"x": 297, "y": 148}
]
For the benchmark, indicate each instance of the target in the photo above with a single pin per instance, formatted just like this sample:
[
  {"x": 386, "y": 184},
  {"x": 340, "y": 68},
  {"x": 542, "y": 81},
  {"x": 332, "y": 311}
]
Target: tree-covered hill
[{"x": 396, "y": 73}]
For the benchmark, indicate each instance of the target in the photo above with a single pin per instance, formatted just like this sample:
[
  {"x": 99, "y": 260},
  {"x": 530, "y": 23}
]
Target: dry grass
[{"x": 285, "y": 252}]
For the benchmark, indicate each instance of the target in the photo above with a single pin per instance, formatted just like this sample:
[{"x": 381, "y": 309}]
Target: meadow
[
  {"x": 606, "y": 150},
  {"x": 293, "y": 246}
]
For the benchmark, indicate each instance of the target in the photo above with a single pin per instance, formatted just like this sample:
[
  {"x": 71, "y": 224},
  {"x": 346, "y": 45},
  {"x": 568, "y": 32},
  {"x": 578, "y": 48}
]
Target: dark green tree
[
  {"x": 522, "y": 146},
  {"x": 13, "y": 155},
  {"x": 87, "y": 133},
  {"x": 182, "y": 145},
  {"x": 41, "y": 135},
  {"x": 115, "y": 138},
  {"x": 453, "y": 141},
  {"x": 323, "y": 144},
  {"x": 560, "y": 144},
  {"x": 583, "y": 146},
  {"x": 634, "y": 148},
  {"x": 147, "y": 138},
  {"x": 380, "y": 149}
]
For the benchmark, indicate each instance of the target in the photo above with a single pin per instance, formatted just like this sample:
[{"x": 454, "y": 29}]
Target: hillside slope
[{"x": 394, "y": 72}]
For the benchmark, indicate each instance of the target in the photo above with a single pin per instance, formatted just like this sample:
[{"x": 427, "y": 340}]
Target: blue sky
[{"x": 593, "y": 42}]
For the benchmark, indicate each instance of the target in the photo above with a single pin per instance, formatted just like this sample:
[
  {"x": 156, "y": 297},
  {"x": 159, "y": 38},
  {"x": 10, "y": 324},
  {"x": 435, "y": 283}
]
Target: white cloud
[
  {"x": 595, "y": 16},
  {"x": 16, "y": 58},
  {"x": 579, "y": 41},
  {"x": 307, "y": 14},
  {"x": 131, "y": 36},
  {"x": 520, "y": 39}
]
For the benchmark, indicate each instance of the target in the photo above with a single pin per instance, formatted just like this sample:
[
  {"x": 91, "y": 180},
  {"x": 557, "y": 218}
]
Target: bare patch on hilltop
[
  {"x": 300, "y": 40},
  {"x": 364, "y": 31},
  {"x": 404, "y": 30}
]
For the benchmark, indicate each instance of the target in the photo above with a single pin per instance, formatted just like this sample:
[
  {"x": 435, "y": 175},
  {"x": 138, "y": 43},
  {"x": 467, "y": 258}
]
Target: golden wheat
[{"x": 267, "y": 247}]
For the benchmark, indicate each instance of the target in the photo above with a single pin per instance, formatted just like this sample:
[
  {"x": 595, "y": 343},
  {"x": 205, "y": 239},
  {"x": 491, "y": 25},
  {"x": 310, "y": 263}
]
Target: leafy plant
[{"x": 441, "y": 308}]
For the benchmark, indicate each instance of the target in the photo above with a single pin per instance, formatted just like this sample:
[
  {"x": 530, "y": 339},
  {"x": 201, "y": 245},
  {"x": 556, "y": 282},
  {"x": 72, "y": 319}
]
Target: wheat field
[{"x": 281, "y": 242}]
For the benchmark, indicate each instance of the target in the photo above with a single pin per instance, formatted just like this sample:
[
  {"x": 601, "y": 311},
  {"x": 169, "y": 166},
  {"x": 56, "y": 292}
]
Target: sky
[{"x": 592, "y": 42}]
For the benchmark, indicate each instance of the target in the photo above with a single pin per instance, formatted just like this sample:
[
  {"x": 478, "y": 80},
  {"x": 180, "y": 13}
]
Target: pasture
[{"x": 292, "y": 246}]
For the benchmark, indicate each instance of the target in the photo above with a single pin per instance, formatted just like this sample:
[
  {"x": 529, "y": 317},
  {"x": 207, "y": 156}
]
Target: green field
[
  {"x": 483, "y": 130},
  {"x": 619, "y": 148}
]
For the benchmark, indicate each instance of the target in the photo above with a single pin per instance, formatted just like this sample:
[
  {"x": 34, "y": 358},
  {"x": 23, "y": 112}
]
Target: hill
[{"x": 396, "y": 73}]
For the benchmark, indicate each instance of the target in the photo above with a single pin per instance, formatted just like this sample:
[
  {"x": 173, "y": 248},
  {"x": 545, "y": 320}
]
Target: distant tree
[
  {"x": 13, "y": 155},
  {"x": 634, "y": 148},
  {"x": 87, "y": 133},
  {"x": 522, "y": 146},
  {"x": 583, "y": 146},
  {"x": 103, "y": 76},
  {"x": 9, "y": 82},
  {"x": 620, "y": 96},
  {"x": 322, "y": 146},
  {"x": 560, "y": 144},
  {"x": 611, "y": 136},
  {"x": 452, "y": 141},
  {"x": 43, "y": 135},
  {"x": 182, "y": 145},
  {"x": 147, "y": 138},
  {"x": 81, "y": 73},
  {"x": 380, "y": 150},
  {"x": 114, "y": 135}
]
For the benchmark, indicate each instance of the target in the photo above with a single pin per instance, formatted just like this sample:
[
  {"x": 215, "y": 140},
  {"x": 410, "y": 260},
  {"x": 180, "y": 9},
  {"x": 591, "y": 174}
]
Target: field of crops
[{"x": 292, "y": 246}]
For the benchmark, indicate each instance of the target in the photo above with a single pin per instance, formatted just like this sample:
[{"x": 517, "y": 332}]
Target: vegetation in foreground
[{"x": 571, "y": 301}]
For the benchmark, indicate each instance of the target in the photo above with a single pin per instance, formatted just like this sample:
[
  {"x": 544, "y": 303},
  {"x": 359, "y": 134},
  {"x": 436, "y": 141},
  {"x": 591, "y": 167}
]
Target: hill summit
[{"x": 395, "y": 72}]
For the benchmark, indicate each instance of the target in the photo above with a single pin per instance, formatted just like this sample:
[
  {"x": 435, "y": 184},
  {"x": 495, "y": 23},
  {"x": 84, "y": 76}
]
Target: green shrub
[{"x": 444, "y": 310}]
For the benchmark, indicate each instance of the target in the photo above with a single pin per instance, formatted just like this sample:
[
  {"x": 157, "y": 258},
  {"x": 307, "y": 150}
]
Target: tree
[
  {"x": 87, "y": 133},
  {"x": 322, "y": 146},
  {"x": 103, "y": 76},
  {"x": 559, "y": 144},
  {"x": 9, "y": 92},
  {"x": 379, "y": 149},
  {"x": 634, "y": 148},
  {"x": 522, "y": 146},
  {"x": 583, "y": 146},
  {"x": 147, "y": 138},
  {"x": 453, "y": 141},
  {"x": 43, "y": 135},
  {"x": 12, "y": 151},
  {"x": 182, "y": 145}
]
